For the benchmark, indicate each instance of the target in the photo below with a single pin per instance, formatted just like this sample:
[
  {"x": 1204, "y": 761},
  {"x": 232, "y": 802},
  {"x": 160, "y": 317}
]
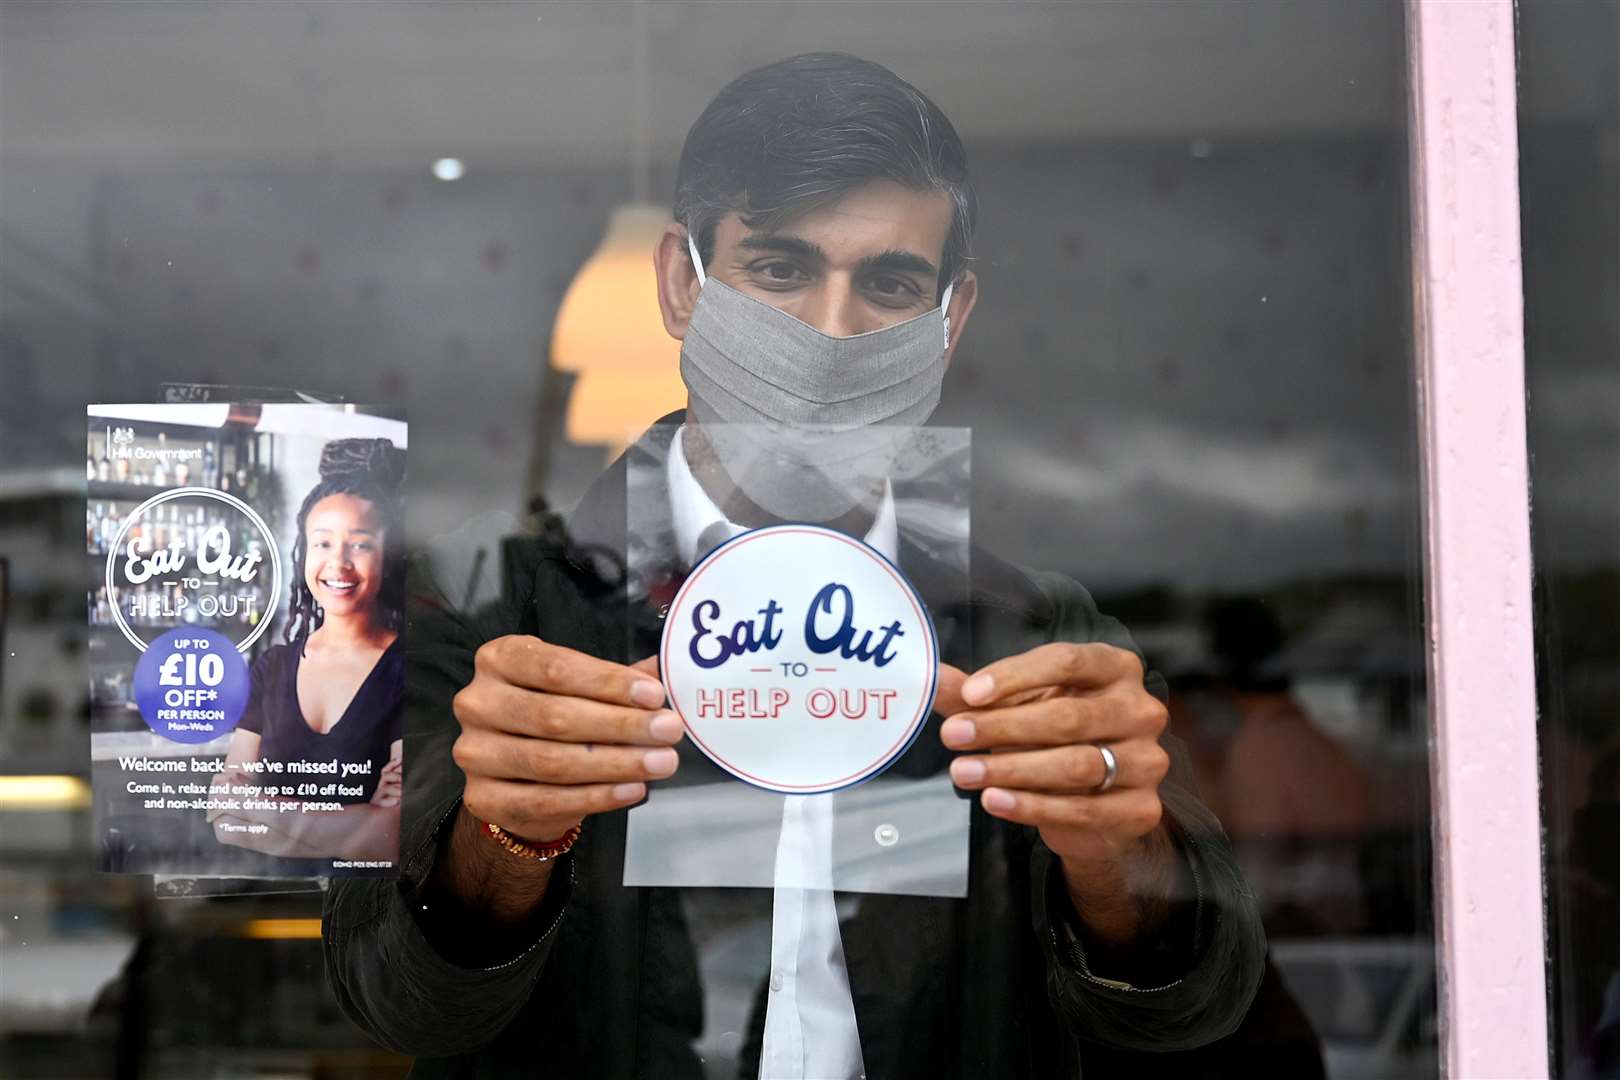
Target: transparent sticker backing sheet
[{"x": 905, "y": 492}]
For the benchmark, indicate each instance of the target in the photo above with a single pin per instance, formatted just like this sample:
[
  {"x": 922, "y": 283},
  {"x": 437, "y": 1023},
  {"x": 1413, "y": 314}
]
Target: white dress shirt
[{"x": 810, "y": 1029}]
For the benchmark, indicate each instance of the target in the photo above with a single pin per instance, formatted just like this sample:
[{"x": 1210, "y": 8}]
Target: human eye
[
  {"x": 777, "y": 273},
  {"x": 893, "y": 290}
]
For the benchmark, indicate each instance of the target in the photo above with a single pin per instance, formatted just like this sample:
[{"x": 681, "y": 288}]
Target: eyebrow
[
  {"x": 783, "y": 244},
  {"x": 894, "y": 260},
  {"x": 902, "y": 261}
]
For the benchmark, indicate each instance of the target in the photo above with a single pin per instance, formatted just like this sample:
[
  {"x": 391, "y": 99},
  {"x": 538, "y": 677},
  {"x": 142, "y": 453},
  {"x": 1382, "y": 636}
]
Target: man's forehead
[{"x": 874, "y": 218}]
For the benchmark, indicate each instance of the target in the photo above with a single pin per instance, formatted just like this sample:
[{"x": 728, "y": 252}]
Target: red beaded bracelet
[{"x": 540, "y": 852}]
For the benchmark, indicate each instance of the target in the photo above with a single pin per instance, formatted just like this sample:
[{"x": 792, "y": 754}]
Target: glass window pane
[
  {"x": 1569, "y": 169},
  {"x": 1181, "y": 341}
]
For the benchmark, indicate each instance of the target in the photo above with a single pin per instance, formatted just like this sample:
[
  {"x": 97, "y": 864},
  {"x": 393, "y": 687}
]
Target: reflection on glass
[
  {"x": 1569, "y": 147},
  {"x": 1188, "y": 380}
]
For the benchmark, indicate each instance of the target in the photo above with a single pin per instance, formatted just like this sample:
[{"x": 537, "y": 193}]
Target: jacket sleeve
[
  {"x": 387, "y": 975},
  {"x": 1200, "y": 984}
]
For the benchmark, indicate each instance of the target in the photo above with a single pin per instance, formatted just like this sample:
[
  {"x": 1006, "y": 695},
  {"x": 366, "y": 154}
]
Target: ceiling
[{"x": 393, "y": 84}]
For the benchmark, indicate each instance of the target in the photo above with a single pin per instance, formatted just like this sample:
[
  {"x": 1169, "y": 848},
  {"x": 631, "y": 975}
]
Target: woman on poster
[{"x": 326, "y": 713}]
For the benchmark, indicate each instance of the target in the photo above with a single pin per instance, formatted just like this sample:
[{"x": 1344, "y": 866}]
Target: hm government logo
[{"x": 801, "y": 660}]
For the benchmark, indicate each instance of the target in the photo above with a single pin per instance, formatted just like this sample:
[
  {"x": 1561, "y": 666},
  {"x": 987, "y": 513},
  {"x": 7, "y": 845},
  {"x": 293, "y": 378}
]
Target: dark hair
[
  {"x": 370, "y": 469},
  {"x": 801, "y": 133}
]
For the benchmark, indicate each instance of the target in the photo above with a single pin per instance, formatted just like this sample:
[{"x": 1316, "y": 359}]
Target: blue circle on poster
[{"x": 191, "y": 685}]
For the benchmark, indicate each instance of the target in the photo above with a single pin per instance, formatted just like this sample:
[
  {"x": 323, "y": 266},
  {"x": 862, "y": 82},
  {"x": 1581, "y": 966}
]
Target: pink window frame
[{"x": 1468, "y": 317}]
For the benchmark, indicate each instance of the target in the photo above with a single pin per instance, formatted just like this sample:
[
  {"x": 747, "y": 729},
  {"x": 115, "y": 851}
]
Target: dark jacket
[{"x": 993, "y": 985}]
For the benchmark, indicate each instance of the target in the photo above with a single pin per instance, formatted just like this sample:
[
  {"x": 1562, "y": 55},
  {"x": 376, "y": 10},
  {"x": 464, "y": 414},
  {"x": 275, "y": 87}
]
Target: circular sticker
[
  {"x": 191, "y": 685},
  {"x": 800, "y": 659},
  {"x": 193, "y": 558}
]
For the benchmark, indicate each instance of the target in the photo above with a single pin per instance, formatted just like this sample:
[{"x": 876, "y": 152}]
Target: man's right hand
[{"x": 550, "y": 736}]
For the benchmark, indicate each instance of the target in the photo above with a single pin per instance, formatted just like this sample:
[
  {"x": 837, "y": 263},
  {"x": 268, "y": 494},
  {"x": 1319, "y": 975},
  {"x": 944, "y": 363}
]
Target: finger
[
  {"x": 948, "y": 697},
  {"x": 386, "y": 802},
  {"x": 507, "y": 757},
  {"x": 1075, "y": 769},
  {"x": 647, "y": 665},
  {"x": 538, "y": 665},
  {"x": 1061, "y": 663},
  {"x": 948, "y": 690},
  {"x": 1125, "y": 814},
  {"x": 536, "y": 811},
  {"x": 1054, "y": 721},
  {"x": 573, "y": 719}
]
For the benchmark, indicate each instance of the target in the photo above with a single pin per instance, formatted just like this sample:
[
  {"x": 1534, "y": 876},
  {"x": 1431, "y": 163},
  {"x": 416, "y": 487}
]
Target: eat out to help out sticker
[{"x": 800, "y": 659}]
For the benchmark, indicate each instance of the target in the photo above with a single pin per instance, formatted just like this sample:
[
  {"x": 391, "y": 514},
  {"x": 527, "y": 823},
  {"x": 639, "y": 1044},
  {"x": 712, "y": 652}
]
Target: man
[{"x": 818, "y": 199}]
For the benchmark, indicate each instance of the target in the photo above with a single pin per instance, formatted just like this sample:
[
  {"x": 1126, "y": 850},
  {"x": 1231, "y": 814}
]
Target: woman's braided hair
[{"x": 370, "y": 469}]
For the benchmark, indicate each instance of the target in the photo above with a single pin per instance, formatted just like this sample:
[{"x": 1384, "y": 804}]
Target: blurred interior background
[{"x": 1189, "y": 379}]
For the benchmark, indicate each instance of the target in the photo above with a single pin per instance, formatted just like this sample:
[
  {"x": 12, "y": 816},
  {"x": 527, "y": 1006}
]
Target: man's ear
[
  {"x": 963, "y": 297},
  {"x": 677, "y": 280}
]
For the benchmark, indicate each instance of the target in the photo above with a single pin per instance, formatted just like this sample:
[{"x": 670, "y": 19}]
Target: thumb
[
  {"x": 647, "y": 666},
  {"x": 948, "y": 691}
]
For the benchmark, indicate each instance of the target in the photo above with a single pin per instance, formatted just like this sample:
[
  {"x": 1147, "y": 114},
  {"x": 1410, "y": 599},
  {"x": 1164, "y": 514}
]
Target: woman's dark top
[{"x": 368, "y": 727}]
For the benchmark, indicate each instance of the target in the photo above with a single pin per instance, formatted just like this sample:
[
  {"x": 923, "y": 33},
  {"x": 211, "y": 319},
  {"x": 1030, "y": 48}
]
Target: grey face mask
[{"x": 807, "y": 425}]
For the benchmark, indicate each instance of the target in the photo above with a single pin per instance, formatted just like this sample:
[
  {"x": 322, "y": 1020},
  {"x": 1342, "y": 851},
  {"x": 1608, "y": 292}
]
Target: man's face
[{"x": 868, "y": 261}]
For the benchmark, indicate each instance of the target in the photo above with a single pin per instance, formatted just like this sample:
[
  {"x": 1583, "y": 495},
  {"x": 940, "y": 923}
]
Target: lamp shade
[
  {"x": 610, "y": 333},
  {"x": 611, "y": 407}
]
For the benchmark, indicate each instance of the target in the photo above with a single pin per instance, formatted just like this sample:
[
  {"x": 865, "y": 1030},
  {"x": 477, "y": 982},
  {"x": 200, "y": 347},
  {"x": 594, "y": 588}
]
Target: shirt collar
[{"x": 694, "y": 512}]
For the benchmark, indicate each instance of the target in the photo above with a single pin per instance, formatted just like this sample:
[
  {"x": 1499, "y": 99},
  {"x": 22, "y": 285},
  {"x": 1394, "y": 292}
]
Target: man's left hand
[{"x": 1041, "y": 716}]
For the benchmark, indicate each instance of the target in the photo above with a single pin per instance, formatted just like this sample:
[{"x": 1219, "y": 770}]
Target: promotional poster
[{"x": 246, "y": 589}]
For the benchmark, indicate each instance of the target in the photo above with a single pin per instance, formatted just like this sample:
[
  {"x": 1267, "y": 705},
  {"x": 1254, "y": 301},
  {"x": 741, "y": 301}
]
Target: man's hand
[
  {"x": 1041, "y": 716},
  {"x": 550, "y": 735}
]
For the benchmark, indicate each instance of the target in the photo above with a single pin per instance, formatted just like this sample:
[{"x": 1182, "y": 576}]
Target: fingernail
[
  {"x": 660, "y": 762},
  {"x": 978, "y": 689},
  {"x": 996, "y": 799},
  {"x": 647, "y": 694},
  {"x": 666, "y": 727},
  {"x": 628, "y": 792},
  {"x": 957, "y": 732},
  {"x": 967, "y": 770}
]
